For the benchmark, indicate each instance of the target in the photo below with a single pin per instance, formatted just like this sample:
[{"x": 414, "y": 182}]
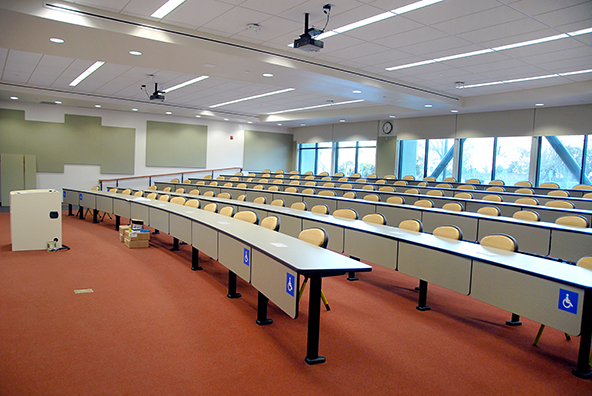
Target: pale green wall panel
[
  {"x": 30, "y": 172},
  {"x": 82, "y": 139},
  {"x": 12, "y": 135},
  {"x": 386, "y": 156},
  {"x": 12, "y": 175},
  {"x": 268, "y": 150},
  {"x": 178, "y": 145},
  {"x": 117, "y": 150},
  {"x": 46, "y": 141}
]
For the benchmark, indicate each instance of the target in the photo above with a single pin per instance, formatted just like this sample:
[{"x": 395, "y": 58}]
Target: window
[
  {"x": 315, "y": 157},
  {"x": 422, "y": 158},
  {"x": 477, "y": 159},
  {"x": 412, "y": 158},
  {"x": 356, "y": 157},
  {"x": 439, "y": 158},
  {"x": 561, "y": 160}
]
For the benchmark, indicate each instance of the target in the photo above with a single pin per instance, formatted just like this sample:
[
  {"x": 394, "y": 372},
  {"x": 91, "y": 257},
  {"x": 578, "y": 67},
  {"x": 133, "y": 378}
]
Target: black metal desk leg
[
  {"x": 232, "y": 286},
  {"x": 195, "y": 260},
  {"x": 117, "y": 222},
  {"x": 351, "y": 276},
  {"x": 582, "y": 370},
  {"x": 81, "y": 213},
  {"x": 95, "y": 215},
  {"x": 423, "y": 296},
  {"x": 515, "y": 321},
  {"x": 314, "y": 322},
  {"x": 262, "y": 318},
  {"x": 69, "y": 209},
  {"x": 175, "y": 245}
]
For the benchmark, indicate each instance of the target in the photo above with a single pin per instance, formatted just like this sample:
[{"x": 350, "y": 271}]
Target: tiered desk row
[{"x": 539, "y": 285}]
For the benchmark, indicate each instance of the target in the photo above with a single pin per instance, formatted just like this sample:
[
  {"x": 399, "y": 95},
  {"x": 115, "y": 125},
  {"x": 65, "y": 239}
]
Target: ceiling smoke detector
[{"x": 254, "y": 27}]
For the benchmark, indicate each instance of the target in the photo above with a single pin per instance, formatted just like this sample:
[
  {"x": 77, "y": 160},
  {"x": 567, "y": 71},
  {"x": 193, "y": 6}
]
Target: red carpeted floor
[{"x": 154, "y": 327}]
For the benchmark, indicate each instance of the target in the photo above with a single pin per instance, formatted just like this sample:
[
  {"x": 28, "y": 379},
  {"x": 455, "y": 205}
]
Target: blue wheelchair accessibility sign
[
  {"x": 290, "y": 284},
  {"x": 246, "y": 257},
  {"x": 568, "y": 301}
]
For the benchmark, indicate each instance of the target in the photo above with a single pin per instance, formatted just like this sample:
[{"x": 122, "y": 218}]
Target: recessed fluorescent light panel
[
  {"x": 525, "y": 79},
  {"x": 56, "y": 40},
  {"x": 186, "y": 83},
  {"x": 317, "y": 106},
  {"x": 252, "y": 97},
  {"x": 86, "y": 73},
  {"x": 166, "y": 8}
]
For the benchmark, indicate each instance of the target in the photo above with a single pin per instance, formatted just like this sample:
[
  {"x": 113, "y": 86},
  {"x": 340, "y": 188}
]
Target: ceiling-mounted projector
[
  {"x": 156, "y": 95},
  {"x": 306, "y": 42}
]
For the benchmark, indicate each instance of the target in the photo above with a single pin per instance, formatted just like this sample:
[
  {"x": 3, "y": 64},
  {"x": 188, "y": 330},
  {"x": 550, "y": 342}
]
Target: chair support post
[
  {"x": 515, "y": 321},
  {"x": 117, "y": 222},
  {"x": 95, "y": 215},
  {"x": 351, "y": 276},
  {"x": 582, "y": 369},
  {"x": 175, "y": 247},
  {"x": 262, "y": 318},
  {"x": 69, "y": 209},
  {"x": 81, "y": 213},
  {"x": 314, "y": 322},
  {"x": 232, "y": 286},
  {"x": 423, "y": 296}
]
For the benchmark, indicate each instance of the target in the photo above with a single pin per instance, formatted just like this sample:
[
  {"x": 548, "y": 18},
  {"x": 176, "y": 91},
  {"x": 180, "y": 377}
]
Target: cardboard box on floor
[{"x": 133, "y": 235}]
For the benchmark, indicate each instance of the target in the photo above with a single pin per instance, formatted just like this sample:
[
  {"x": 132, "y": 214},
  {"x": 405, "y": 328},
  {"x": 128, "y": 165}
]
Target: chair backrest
[
  {"x": 266, "y": 175},
  {"x": 497, "y": 183},
  {"x": 214, "y": 183},
  {"x": 271, "y": 222},
  {"x": 295, "y": 177},
  {"x": 330, "y": 184},
  {"x": 473, "y": 181},
  {"x": 166, "y": 189},
  {"x": 241, "y": 185},
  {"x": 258, "y": 187},
  {"x": 528, "y": 215},
  {"x": 346, "y": 213},
  {"x": 234, "y": 178},
  {"x": 587, "y": 196},
  {"x": 210, "y": 193},
  {"x": 549, "y": 185},
  {"x": 558, "y": 193},
  {"x": 449, "y": 180},
  {"x": 164, "y": 198},
  {"x": 582, "y": 187},
  {"x": 291, "y": 189},
  {"x": 139, "y": 193},
  {"x": 495, "y": 189},
  {"x": 422, "y": 184},
  {"x": 273, "y": 188},
  {"x": 175, "y": 181},
  {"x": 339, "y": 174},
  {"x": 208, "y": 177},
  {"x": 585, "y": 262},
  {"x": 299, "y": 206},
  {"x": 251, "y": 174},
  {"x": 524, "y": 190},
  {"x": 241, "y": 197},
  {"x": 308, "y": 191},
  {"x": 279, "y": 178},
  {"x": 349, "y": 194},
  {"x": 263, "y": 181},
  {"x": 559, "y": 203},
  {"x": 200, "y": 183},
  {"x": 573, "y": 221},
  {"x": 500, "y": 241},
  {"x": 310, "y": 183},
  {"x": 180, "y": 190},
  {"x": 386, "y": 189},
  {"x": 448, "y": 231},
  {"x": 151, "y": 195},
  {"x": 368, "y": 187},
  {"x": 324, "y": 174},
  {"x": 317, "y": 236},
  {"x": 371, "y": 176},
  {"x": 527, "y": 201},
  {"x": 489, "y": 211},
  {"x": 412, "y": 191},
  {"x": 424, "y": 203},
  {"x": 227, "y": 184},
  {"x": 493, "y": 198},
  {"x": 343, "y": 179},
  {"x": 411, "y": 225},
  {"x": 523, "y": 184},
  {"x": 453, "y": 206},
  {"x": 227, "y": 211},
  {"x": 355, "y": 175},
  {"x": 327, "y": 193},
  {"x": 225, "y": 195},
  {"x": 400, "y": 183},
  {"x": 220, "y": 178},
  {"x": 95, "y": 188},
  {"x": 326, "y": 178},
  {"x": 193, "y": 203},
  {"x": 308, "y": 173},
  {"x": 247, "y": 215},
  {"x": 260, "y": 200},
  {"x": 435, "y": 193},
  {"x": 295, "y": 182},
  {"x": 372, "y": 197},
  {"x": 346, "y": 185},
  {"x": 278, "y": 202},
  {"x": 466, "y": 187},
  {"x": 443, "y": 185},
  {"x": 211, "y": 207},
  {"x": 429, "y": 178},
  {"x": 194, "y": 192},
  {"x": 380, "y": 181},
  {"x": 375, "y": 218},
  {"x": 127, "y": 191},
  {"x": 278, "y": 181},
  {"x": 396, "y": 200},
  {"x": 361, "y": 180},
  {"x": 463, "y": 195},
  {"x": 408, "y": 177},
  {"x": 178, "y": 200},
  {"x": 309, "y": 177},
  {"x": 152, "y": 188},
  {"x": 322, "y": 209},
  {"x": 186, "y": 181}
]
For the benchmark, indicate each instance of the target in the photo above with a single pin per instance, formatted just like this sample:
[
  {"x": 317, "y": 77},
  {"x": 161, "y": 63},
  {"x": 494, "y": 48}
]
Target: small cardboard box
[
  {"x": 137, "y": 225},
  {"x": 122, "y": 230},
  {"x": 134, "y": 243},
  {"x": 143, "y": 235}
]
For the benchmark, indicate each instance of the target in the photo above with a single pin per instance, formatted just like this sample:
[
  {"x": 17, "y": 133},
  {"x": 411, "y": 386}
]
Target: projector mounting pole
[{"x": 306, "y": 23}]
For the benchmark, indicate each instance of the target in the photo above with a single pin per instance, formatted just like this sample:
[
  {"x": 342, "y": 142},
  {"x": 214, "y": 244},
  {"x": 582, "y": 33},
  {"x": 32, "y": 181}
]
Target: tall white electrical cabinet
[{"x": 35, "y": 219}]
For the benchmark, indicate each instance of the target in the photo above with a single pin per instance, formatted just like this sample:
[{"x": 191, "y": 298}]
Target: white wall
[{"x": 222, "y": 152}]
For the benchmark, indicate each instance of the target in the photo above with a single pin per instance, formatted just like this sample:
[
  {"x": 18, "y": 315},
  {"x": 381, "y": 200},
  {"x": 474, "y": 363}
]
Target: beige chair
[
  {"x": 346, "y": 213},
  {"x": 424, "y": 203},
  {"x": 500, "y": 241},
  {"x": 308, "y": 191},
  {"x": 549, "y": 185},
  {"x": 234, "y": 178},
  {"x": 327, "y": 193},
  {"x": 354, "y": 175},
  {"x": 214, "y": 183},
  {"x": 375, "y": 218},
  {"x": 139, "y": 193},
  {"x": 200, "y": 183},
  {"x": 412, "y": 191},
  {"x": 321, "y": 209},
  {"x": 339, "y": 174},
  {"x": 227, "y": 184},
  {"x": 527, "y": 215},
  {"x": 558, "y": 203},
  {"x": 523, "y": 184},
  {"x": 151, "y": 195},
  {"x": 210, "y": 193},
  {"x": 386, "y": 189},
  {"x": 208, "y": 177},
  {"x": 211, "y": 207},
  {"x": 271, "y": 222},
  {"x": 400, "y": 183},
  {"x": 258, "y": 187},
  {"x": 241, "y": 185},
  {"x": 397, "y": 200},
  {"x": 361, "y": 181},
  {"x": 422, "y": 184},
  {"x": 527, "y": 201},
  {"x": 280, "y": 171},
  {"x": 251, "y": 174},
  {"x": 175, "y": 181},
  {"x": 473, "y": 181},
  {"x": 291, "y": 190},
  {"x": 180, "y": 190},
  {"x": 295, "y": 177},
  {"x": 449, "y": 180},
  {"x": 247, "y": 215},
  {"x": 263, "y": 181},
  {"x": 279, "y": 178},
  {"x": 194, "y": 192},
  {"x": 318, "y": 237},
  {"x": 310, "y": 173},
  {"x": 326, "y": 178},
  {"x": 227, "y": 211},
  {"x": 164, "y": 198},
  {"x": 192, "y": 203},
  {"x": 443, "y": 185},
  {"x": 372, "y": 197},
  {"x": 186, "y": 181},
  {"x": 178, "y": 200},
  {"x": 346, "y": 185},
  {"x": 584, "y": 262},
  {"x": 390, "y": 177},
  {"x": 435, "y": 193},
  {"x": 573, "y": 221},
  {"x": 266, "y": 175},
  {"x": 260, "y": 200},
  {"x": 342, "y": 179},
  {"x": 309, "y": 177},
  {"x": 493, "y": 198},
  {"x": 225, "y": 195},
  {"x": 310, "y": 183},
  {"x": 582, "y": 187},
  {"x": 408, "y": 177},
  {"x": 449, "y": 232},
  {"x": 330, "y": 185},
  {"x": 249, "y": 179},
  {"x": 411, "y": 225},
  {"x": 220, "y": 178},
  {"x": 453, "y": 206},
  {"x": 299, "y": 206},
  {"x": 497, "y": 183},
  {"x": 524, "y": 191},
  {"x": 587, "y": 196},
  {"x": 463, "y": 195},
  {"x": 429, "y": 179},
  {"x": 127, "y": 191},
  {"x": 278, "y": 202},
  {"x": 166, "y": 189},
  {"x": 295, "y": 182},
  {"x": 152, "y": 188},
  {"x": 495, "y": 189},
  {"x": 380, "y": 181},
  {"x": 558, "y": 193},
  {"x": 489, "y": 211},
  {"x": 349, "y": 195},
  {"x": 242, "y": 197},
  {"x": 371, "y": 176},
  {"x": 273, "y": 188},
  {"x": 368, "y": 187},
  {"x": 324, "y": 174},
  {"x": 278, "y": 181},
  {"x": 466, "y": 187}
]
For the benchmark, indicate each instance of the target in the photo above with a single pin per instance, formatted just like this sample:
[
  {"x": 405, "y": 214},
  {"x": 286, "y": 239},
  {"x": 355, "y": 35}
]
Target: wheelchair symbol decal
[
  {"x": 246, "y": 257},
  {"x": 568, "y": 301},
  {"x": 290, "y": 284}
]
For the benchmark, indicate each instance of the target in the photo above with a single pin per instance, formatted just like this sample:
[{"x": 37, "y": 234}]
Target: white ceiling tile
[
  {"x": 479, "y": 20},
  {"x": 195, "y": 15},
  {"x": 566, "y": 15},
  {"x": 236, "y": 20},
  {"x": 110, "y": 5},
  {"x": 450, "y": 10},
  {"x": 411, "y": 37},
  {"x": 20, "y": 61},
  {"x": 15, "y": 76}
]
